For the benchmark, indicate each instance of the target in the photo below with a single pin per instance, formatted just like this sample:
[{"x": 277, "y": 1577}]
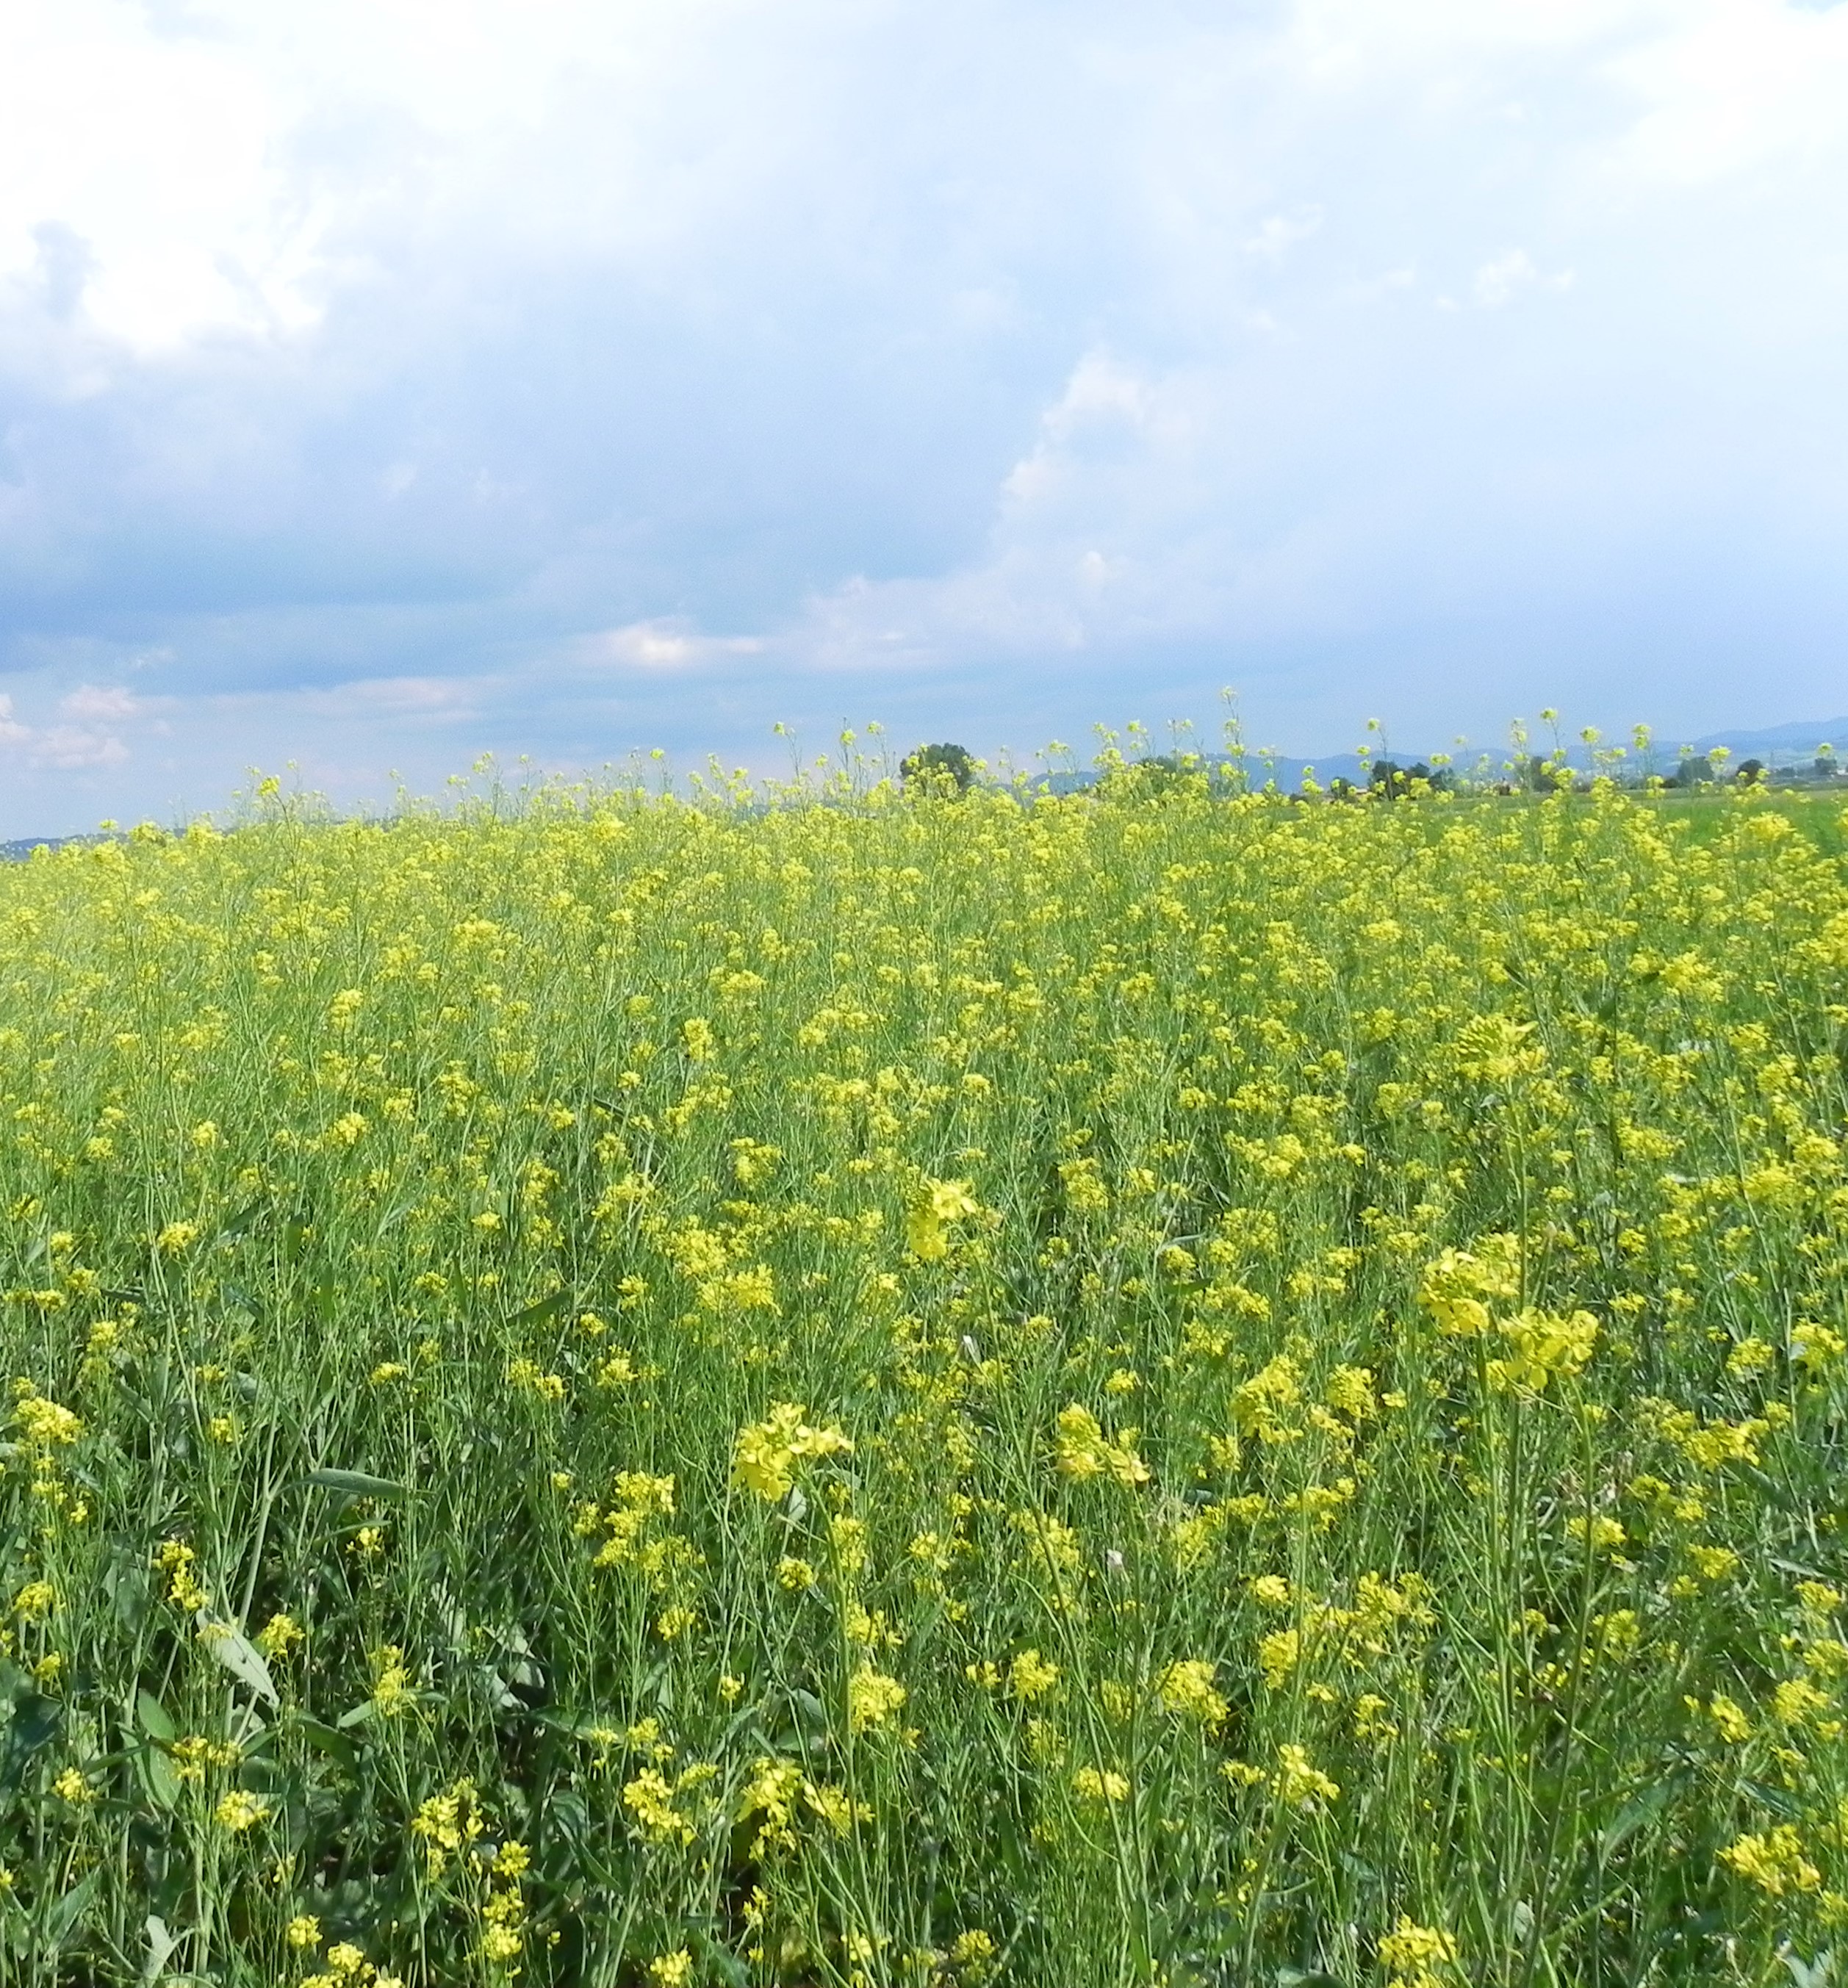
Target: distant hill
[
  {"x": 18, "y": 851},
  {"x": 1804, "y": 736}
]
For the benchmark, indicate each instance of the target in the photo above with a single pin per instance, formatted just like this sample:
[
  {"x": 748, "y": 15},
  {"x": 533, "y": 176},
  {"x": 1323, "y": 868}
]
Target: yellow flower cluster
[{"x": 766, "y": 1453}]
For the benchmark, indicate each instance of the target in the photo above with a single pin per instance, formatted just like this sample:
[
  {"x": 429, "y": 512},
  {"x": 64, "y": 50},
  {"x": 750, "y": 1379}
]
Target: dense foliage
[{"x": 1138, "y": 1387}]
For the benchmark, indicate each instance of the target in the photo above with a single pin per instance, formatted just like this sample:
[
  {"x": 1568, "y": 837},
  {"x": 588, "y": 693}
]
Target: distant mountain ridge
[
  {"x": 18, "y": 850},
  {"x": 1804, "y": 736}
]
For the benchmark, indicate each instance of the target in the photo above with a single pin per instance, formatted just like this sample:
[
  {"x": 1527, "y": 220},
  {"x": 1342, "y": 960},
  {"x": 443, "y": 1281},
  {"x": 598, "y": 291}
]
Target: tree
[
  {"x": 1750, "y": 773},
  {"x": 1161, "y": 772},
  {"x": 935, "y": 767},
  {"x": 1395, "y": 781},
  {"x": 1695, "y": 770}
]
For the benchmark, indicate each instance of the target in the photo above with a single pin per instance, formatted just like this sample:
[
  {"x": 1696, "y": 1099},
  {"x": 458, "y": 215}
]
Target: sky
[{"x": 384, "y": 383}]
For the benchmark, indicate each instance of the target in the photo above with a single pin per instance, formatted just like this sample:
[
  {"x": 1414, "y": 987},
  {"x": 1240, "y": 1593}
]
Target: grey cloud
[{"x": 813, "y": 415}]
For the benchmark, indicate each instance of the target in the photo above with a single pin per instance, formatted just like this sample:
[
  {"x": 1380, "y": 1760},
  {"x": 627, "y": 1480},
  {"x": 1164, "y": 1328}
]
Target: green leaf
[
  {"x": 356, "y": 1484},
  {"x": 152, "y": 1716},
  {"x": 325, "y": 1739},
  {"x": 160, "y": 1946},
  {"x": 1647, "y": 1805},
  {"x": 240, "y": 1656},
  {"x": 130, "y": 1592},
  {"x": 546, "y": 1308},
  {"x": 240, "y": 1223},
  {"x": 154, "y": 1773},
  {"x": 35, "y": 1720},
  {"x": 1817, "y": 1973},
  {"x": 71, "y": 1907},
  {"x": 359, "y": 1716},
  {"x": 727, "y": 1966}
]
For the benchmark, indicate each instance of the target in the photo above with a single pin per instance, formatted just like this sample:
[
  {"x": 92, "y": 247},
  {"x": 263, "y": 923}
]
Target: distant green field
[{"x": 1138, "y": 1388}]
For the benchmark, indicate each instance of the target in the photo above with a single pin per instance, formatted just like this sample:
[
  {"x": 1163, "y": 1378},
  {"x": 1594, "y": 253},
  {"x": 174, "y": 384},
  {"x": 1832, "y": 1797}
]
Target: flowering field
[{"x": 1125, "y": 1390}]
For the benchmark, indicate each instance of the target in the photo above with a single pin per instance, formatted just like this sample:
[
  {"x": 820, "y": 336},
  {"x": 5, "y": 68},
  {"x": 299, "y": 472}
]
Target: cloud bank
[{"x": 384, "y": 384}]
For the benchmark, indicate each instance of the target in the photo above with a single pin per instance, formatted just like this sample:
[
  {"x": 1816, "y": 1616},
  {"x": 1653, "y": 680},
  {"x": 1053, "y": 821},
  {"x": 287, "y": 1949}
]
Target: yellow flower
[
  {"x": 444, "y": 1822},
  {"x": 1299, "y": 1783},
  {"x": 392, "y": 1691},
  {"x": 1371, "y": 1723},
  {"x": 35, "y": 1600},
  {"x": 500, "y": 1945},
  {"x": 1542, "y": 1347},
  {"x": 972, "y": 1951},
  {"x": 1713, "y": 1563},
  {"x": 1773, "y": 1861},
  {"x": 771, "y": 1793},
  {"x": 697, "y": 1038},
  {"x": 239, "y": 1811},
  {"x": 176, "y": 1559},
  {"x": 1030, "y": 1676},
  {"x": 1413, "y": 1954},
  {"x": 1729, "y": 1719},
  {"x": 871, "y": 1698},
  {"x": 1456, "y": 1285},
  {"x": 672, "y": 1970},
  {"x": 1187, "y": 1688},
  {"x": 1351, "y": 1394},
  {"x": 936, "y": 1204},
  {"x": 528, "y": 1376},
  {"x": 1796, "y": 1701},
  {"x": 46, "y": 1423},
  {"x": 1081, "y": 1450},
  {"x": 1278, "y": 1655},
  {"x": 766, "y": 1453},
  {"x": 71, "y": 1786},
  {"x": 279, "y": 1636},
  {"x": 304, "y": 1932},
  {"x": 1604, "y": 1534},
  {"x": 1093, "y": 1784}
]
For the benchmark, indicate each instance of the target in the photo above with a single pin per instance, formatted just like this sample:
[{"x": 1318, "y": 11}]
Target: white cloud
[
  {"x": 99, "y": 704},
  {"x": 385, "y": 371},
  {"x": 65, "y": 747},
  {"x": 1736, "y": 85},
  {"x": 69, "y": 746},
  {"x": 157, "y": 156},
  {"x": 1278, "y": 232},
  {"x": 1500, "y": 280},
  {"x": 664, "y": 645}
]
